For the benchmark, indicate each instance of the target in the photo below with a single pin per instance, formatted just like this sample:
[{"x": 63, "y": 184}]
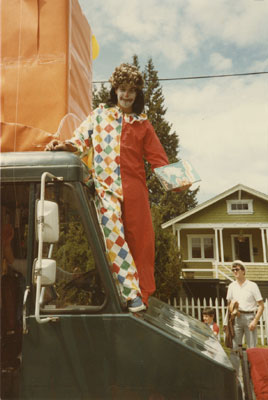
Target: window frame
[
  {"x": 202, "y": 237},
  {"x": 78, "y": 309},
  {"x": 249, "y": 202},
  {"x": 251, "y": 253}
]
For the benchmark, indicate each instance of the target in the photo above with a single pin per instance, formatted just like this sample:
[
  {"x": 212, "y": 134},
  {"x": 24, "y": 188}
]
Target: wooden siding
[{"x": 217, "y": 212}]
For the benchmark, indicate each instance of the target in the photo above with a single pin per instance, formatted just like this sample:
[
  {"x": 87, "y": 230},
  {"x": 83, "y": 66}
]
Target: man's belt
[{"x": 246, "y": 312}]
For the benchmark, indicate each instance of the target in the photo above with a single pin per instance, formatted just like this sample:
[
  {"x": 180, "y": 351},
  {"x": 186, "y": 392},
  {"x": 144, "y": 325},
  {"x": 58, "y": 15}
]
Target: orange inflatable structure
[{"x": 46, "y": 72}]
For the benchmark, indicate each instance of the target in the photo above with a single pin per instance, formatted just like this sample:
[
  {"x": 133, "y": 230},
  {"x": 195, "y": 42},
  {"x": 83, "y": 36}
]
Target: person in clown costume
[{"x": 121, "y": 137}]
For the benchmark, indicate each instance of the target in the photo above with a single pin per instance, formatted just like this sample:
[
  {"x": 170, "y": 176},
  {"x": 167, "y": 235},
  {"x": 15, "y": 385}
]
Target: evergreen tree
[
  {"x": 167, "y": 260},
  {"x": 135, "y": 62},
  {"x": 154, "y": 108},
  {"x": 100, "y": 96}
]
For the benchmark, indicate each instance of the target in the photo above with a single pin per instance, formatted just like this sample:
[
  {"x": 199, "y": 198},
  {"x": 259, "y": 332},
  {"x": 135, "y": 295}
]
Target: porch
[
  {"x": 222, "y": 271},
  {"x": 207, "y": 250}
]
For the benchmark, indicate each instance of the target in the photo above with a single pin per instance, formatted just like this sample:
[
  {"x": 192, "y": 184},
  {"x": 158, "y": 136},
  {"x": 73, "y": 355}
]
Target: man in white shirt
[{"x": 250, "y": 309}]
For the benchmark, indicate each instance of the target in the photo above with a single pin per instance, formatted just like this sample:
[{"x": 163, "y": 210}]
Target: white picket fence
[{"x": 195, "y": 307}]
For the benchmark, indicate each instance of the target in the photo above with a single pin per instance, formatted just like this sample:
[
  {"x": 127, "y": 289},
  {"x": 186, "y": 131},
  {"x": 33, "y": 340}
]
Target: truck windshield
[{"x": 78, "y": 283}]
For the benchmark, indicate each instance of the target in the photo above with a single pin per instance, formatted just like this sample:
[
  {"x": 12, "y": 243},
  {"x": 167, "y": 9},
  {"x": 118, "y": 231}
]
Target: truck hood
[{"x": 188, "y": 331}]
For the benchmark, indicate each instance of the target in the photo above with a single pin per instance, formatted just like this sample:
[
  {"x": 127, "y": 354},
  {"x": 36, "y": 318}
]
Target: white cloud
[
  {"x": 222, "y": 132},
  {"x": 239, "y": 22},
  {"x": 260, "y": 66},
  {"x": 219, "y": 62},
  {"x": 177, "y": 30},
  {"x": 249, "y": 25}
]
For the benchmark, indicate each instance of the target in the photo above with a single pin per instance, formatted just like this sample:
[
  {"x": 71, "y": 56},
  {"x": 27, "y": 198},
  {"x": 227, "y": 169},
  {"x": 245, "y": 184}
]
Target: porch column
[
  {"x": 216, "y": 251},
  {"x": 264, "y": 244},
  {"x": 221, "y": 245},
  {"x": 266, "y": 239},
  {"x": 216, "y": 245},
  {"x": 179, "y": 238},
  {"x": 179, "y": 241}
]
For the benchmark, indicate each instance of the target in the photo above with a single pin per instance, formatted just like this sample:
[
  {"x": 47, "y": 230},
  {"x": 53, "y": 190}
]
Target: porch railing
[
  {"x": 220, "y": 270},
  {"x": 214, "y": 271}
]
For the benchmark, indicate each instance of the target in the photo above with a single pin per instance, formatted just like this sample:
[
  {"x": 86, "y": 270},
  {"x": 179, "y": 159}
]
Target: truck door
[
  {"x": 65, "y": 357},
  {"x": 14, "y": 228}
]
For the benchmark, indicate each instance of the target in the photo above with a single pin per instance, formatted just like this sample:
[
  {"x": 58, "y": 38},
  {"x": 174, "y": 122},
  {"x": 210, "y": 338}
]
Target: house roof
[{"x": 208, "y": 203}]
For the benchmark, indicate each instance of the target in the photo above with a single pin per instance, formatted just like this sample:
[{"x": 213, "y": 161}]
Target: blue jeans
[{"x": 240, "y": 328}]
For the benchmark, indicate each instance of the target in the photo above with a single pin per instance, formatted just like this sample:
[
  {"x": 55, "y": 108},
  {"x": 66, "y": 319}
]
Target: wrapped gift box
[{"x": 178, "y": 175}]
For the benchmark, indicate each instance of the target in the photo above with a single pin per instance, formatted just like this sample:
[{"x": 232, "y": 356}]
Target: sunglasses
[{"x": 235, "y": 269}]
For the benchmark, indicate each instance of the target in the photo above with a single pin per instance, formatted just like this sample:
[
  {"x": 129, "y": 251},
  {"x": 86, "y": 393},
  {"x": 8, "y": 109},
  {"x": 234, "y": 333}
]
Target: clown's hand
[
  {"x": 182, "y": 188},
  {"x": 57, "y": 145}
]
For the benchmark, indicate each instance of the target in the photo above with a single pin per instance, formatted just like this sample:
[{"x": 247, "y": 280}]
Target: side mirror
[
  {"x": 50, "y": 221},
  {"x": 47, "y": 228},
  {"x": 47, "y": 272}
]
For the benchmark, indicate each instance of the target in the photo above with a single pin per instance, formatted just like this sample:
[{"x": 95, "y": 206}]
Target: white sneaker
[{"x": 136, "y": 305}]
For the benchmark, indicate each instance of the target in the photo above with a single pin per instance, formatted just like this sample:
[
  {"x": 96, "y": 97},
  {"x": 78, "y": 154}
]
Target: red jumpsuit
[{"x": 120, "y": 143}]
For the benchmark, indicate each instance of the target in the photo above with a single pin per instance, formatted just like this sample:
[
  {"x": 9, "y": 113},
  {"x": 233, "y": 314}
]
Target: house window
[
  {"x": 196, "y": 248},
  {"x": 240, "y": 206},
  {"x": 201, "y": 247}
]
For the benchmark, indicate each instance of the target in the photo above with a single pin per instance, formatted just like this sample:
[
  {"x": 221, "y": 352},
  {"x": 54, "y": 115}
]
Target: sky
[{"x": 222, "y": 123}]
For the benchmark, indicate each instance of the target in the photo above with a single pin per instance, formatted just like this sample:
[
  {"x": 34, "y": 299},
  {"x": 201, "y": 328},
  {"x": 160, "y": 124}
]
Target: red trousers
[
  {"x": 139, "y": 235},
  {"x": 138, "y": 142}
]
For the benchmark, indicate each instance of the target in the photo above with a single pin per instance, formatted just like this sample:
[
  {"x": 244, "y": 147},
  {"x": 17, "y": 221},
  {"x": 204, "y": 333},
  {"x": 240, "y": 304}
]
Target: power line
[
  {"x": 213, "y": 76},
  {"x": 202, "y": 77}
]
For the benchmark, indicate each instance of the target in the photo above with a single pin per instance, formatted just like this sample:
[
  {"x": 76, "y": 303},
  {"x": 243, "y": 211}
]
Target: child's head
[{"x": 208, "y": 315}]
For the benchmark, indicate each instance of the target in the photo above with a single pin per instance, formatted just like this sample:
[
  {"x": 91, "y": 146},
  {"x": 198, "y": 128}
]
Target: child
[{"x": 208, "y": 318}]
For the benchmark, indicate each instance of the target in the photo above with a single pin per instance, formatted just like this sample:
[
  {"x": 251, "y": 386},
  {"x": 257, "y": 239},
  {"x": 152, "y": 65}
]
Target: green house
[{"x": 230, "y": 226}]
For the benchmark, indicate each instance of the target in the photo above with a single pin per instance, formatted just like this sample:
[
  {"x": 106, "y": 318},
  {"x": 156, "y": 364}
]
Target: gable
[
  {"x": 215, "y": 209},
  {"x": 218, "y": 212}
]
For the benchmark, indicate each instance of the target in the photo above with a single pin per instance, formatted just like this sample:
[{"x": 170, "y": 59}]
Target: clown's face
[{"x": 126, "y": 95}]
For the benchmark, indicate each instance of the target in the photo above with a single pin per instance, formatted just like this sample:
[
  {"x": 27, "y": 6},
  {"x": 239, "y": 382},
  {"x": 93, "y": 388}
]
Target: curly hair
[{"x": 127, "y": 73}]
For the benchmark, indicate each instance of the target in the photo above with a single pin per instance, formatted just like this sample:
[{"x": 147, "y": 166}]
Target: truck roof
[{"x": 29, "y": 166}]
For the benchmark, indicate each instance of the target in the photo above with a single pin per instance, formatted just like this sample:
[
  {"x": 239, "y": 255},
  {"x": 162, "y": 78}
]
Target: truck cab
[{"x": 66, "y": 333}]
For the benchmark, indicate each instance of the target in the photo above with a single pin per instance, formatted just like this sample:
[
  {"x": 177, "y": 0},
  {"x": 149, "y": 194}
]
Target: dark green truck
[{"x": 73, "y": 337}]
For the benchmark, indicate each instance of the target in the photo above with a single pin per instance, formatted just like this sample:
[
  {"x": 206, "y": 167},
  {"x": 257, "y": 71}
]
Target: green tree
[
  {"x": 100, "y": 96},
  {"x": 155, "y": 110},
  {"x": 167, "y": 260},
  {"x": 72, "y": 249}
]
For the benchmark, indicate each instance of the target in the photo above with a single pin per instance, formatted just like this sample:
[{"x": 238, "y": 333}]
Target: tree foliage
[
  {"x": 167, "y": 259},
  {"x": 72, "y": 250},
  {"x": 100, "y": 96}
]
